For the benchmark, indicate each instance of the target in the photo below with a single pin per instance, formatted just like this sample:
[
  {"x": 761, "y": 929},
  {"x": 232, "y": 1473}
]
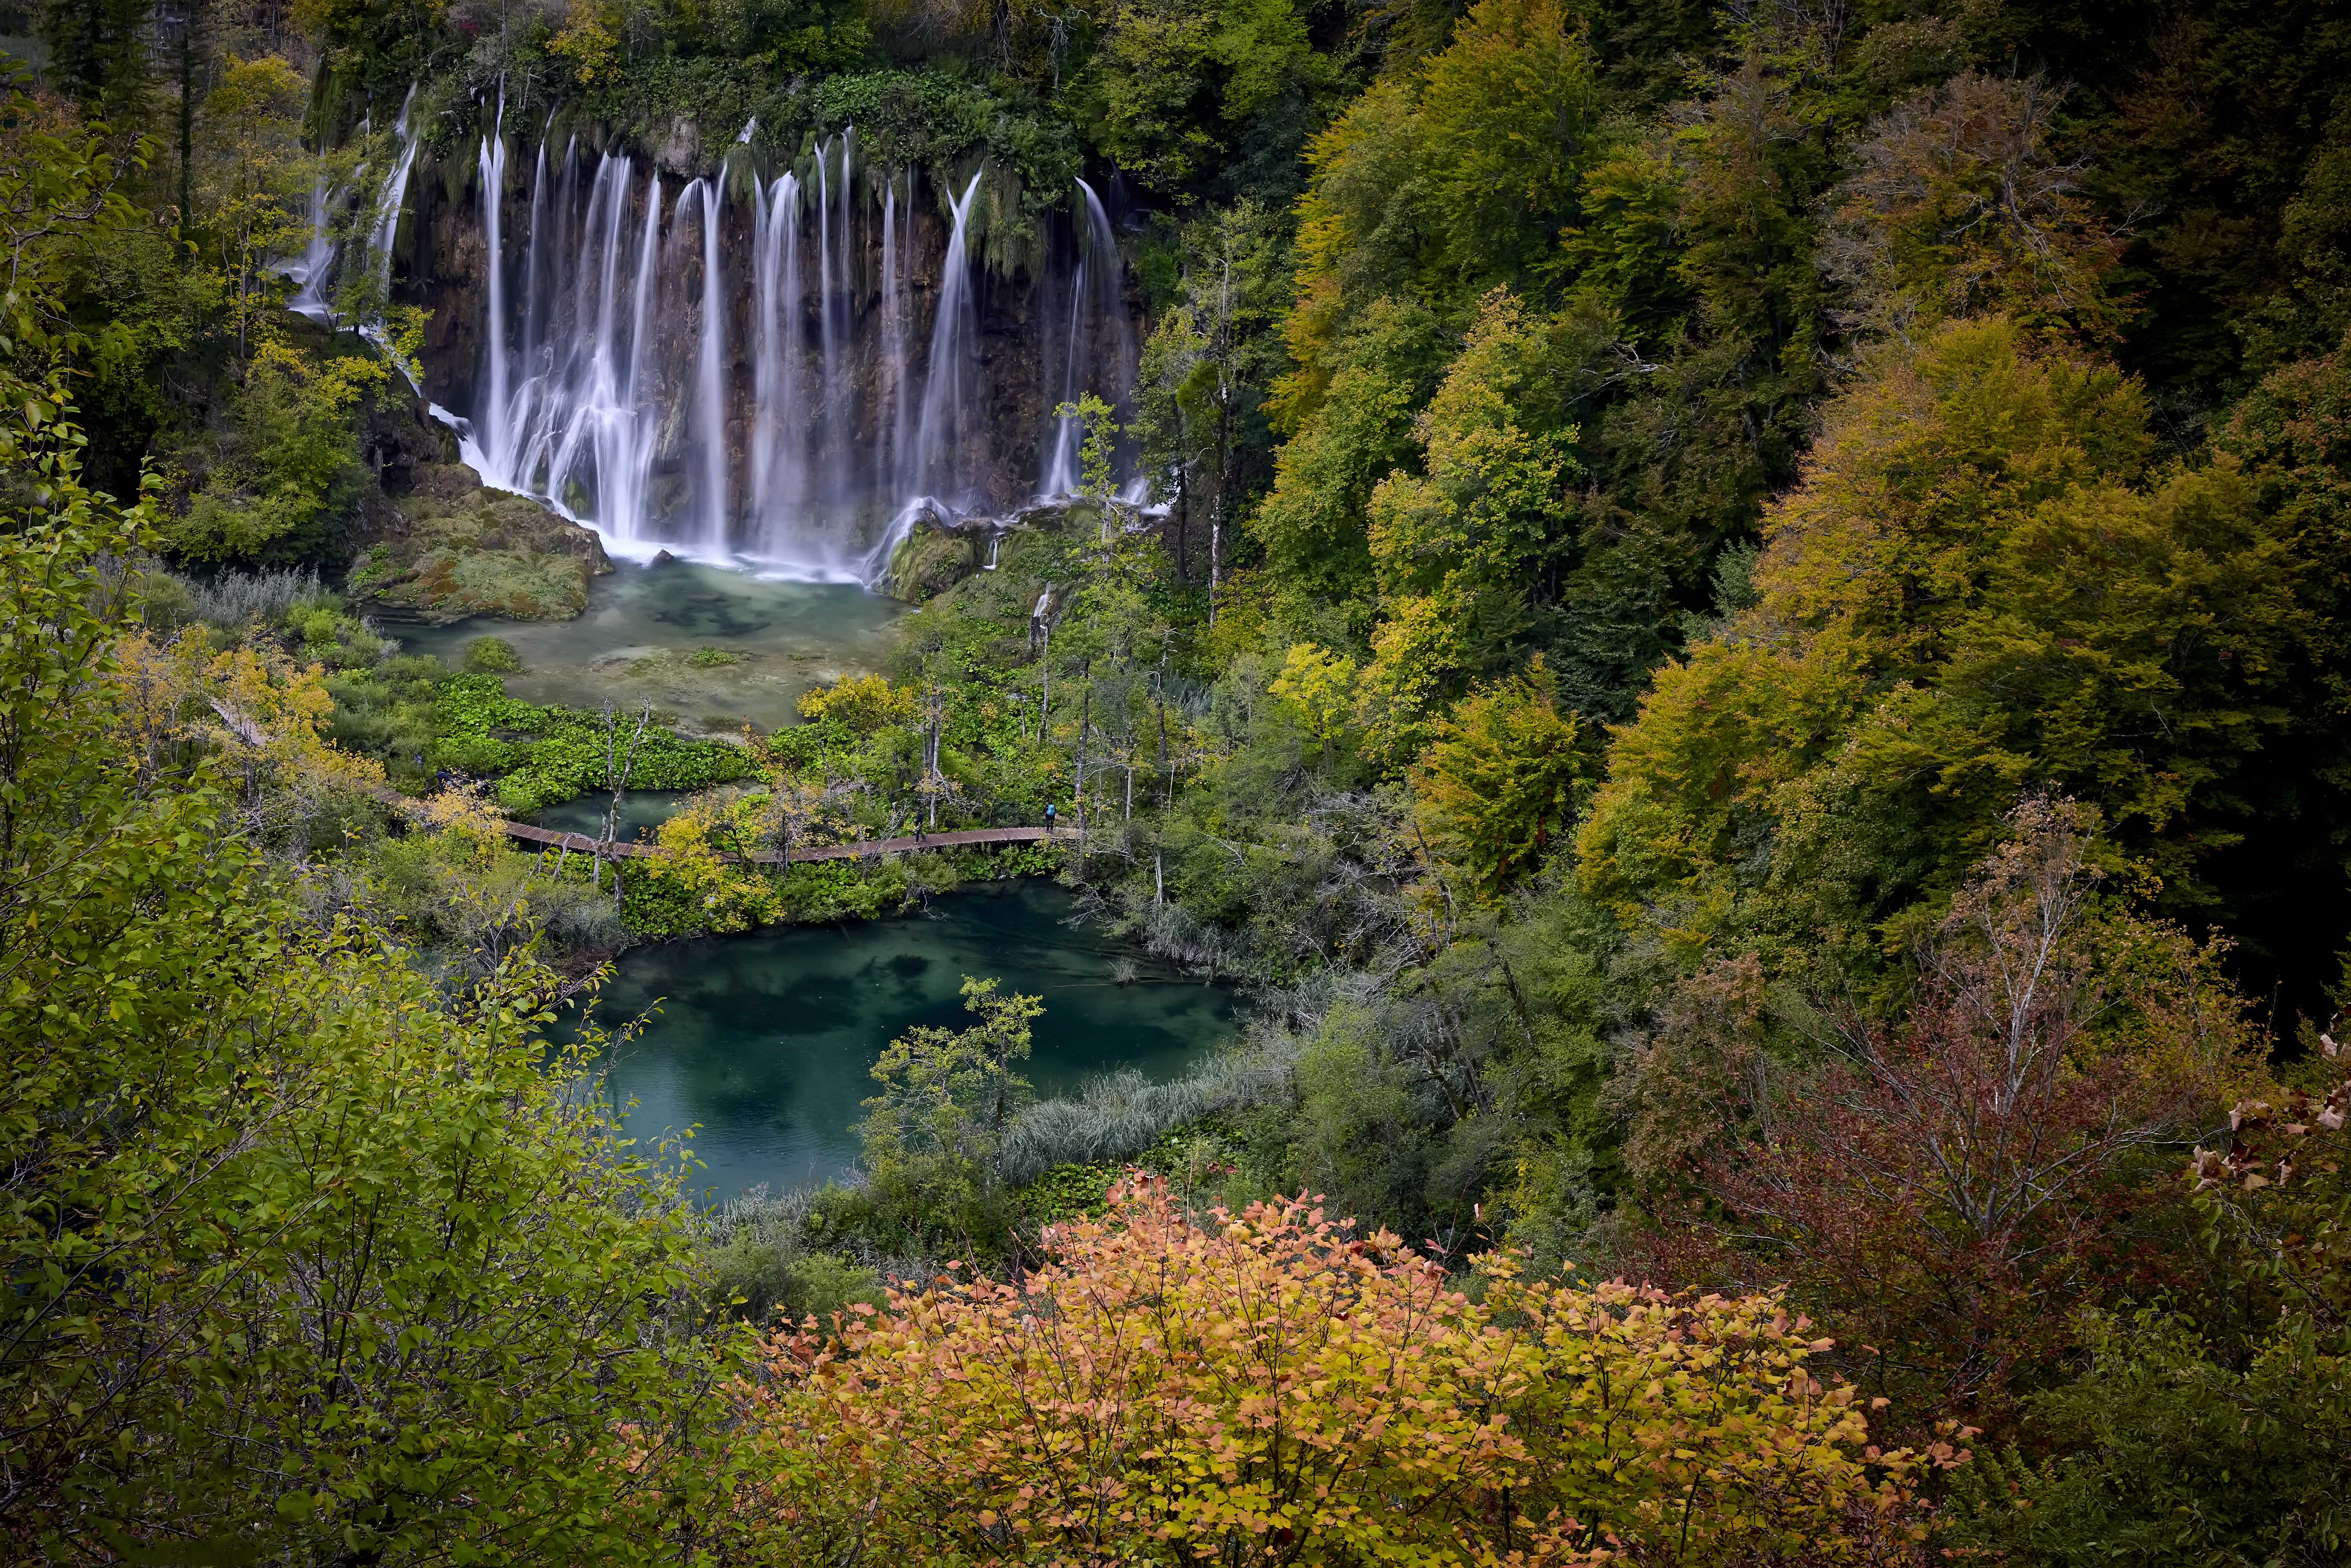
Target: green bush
[
  {"x": 763, "y": 1279},
  {"x": 1068, "y": 1192},
  {"x": 558, "y": 753},
  {"x": 477, "y": 755},
  {"x": 491, "y": 656}
]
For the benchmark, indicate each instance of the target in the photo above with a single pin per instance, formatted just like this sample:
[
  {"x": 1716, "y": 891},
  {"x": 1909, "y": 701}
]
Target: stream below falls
[{"x": 766, "y": 1041}]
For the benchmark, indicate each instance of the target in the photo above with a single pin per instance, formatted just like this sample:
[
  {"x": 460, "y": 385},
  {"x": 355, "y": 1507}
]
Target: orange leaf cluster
[{"x": 1271, "y": 1387}]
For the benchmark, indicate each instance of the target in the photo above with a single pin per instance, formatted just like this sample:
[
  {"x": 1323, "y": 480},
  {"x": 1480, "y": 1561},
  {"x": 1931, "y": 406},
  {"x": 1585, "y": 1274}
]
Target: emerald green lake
[{"x": 767, "y": 1041}]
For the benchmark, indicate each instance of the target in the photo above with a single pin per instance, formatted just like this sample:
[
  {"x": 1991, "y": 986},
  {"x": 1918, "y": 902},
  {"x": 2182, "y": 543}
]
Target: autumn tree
[
  {"x": 1985, "y": 584},
  {"x": 1948, "y": 1183},
  {"x": 862, "y": 705},
  {"x": 2216, "y": 1423},
  {"x": 1275, "y": 1386},
  {"x": 1962, "y": 207},
  {"x": 1318, "y": 687},
  {"x": 256, "y": 183}
]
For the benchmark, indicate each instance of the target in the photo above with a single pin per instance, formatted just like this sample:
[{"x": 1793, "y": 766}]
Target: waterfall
[
  {"x": 895, "y": 306},
  {"x": 394, "y": 195},
  {"x": 778, "y": 468},
  {"x": 820, "y": 422},
  {"x": 582, "y": 432},
  {"x": 312, "y": 267},
  {"x": 835, "y": 319},
  {"x": 533, "y": 302},
  {"x": 710, "y": 391},
  {"x": 490, "y": 430},
  {"x": 1095, "y": 307},
  {"x": 947, "y": 391},
  {"x": 314, "y": 272},
  {"x": 606, "y": 381},
  {"x": 634, "y": 422}
]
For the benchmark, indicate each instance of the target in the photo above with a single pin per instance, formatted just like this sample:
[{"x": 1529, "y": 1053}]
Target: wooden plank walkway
[{"x": 626, "y": 851}]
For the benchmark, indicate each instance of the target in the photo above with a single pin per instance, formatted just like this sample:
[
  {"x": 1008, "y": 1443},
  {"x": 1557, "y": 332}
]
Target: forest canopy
[{"x": 1728, "y": 624}]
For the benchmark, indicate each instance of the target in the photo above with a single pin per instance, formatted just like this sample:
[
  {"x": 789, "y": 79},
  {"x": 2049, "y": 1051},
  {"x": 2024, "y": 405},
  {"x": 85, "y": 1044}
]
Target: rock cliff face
[{"x": 769, "y": 363}]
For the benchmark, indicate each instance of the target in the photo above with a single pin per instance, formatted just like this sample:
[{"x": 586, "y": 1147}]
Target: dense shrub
[{"x": 1272, "y": 1385}]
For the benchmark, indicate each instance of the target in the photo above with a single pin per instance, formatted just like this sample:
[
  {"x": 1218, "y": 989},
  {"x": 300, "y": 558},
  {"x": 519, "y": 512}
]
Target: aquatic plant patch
[{"x": 543, "y": 755}]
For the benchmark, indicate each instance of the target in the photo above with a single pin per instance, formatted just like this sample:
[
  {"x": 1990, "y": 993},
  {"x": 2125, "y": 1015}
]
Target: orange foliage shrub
[{"x": 1272, "y": 1388}]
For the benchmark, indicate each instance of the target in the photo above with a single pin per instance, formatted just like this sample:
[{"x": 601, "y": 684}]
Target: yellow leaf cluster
[
  {"x": 468, "y": 814},
  {"x": 253, "y": 709},
  {"x": 865, "y": 703}
]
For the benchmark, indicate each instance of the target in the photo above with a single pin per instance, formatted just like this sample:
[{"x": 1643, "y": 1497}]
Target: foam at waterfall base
[{"x": 861, "y": 572}]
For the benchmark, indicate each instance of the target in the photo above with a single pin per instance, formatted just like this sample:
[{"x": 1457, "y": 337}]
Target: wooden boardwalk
[{"x": 615, "y": 848}]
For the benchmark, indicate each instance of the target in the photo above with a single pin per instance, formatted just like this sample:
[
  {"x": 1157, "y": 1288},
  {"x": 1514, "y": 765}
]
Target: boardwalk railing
[{"x": 611, "y": 848}]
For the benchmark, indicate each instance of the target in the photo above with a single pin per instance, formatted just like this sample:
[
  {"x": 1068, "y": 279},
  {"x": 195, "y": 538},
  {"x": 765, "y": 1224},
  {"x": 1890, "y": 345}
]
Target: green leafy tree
[
  {"x": 1204, "y": 373},
  {"x": 293, "y": 472},
  {"x": 1172, "y": 85},
  {"x": 1313, "y": 525},
  {"x": 1495, "y": 791},
  {"x": 1442, "y": 181},
  {"x": 301, "y": 1258},
  {"x": 65, "y": 195},
  {"x": 931, "y": 1135},
  {"x": 1453, "y": 550},
  {"x": 256, "y": 183}
]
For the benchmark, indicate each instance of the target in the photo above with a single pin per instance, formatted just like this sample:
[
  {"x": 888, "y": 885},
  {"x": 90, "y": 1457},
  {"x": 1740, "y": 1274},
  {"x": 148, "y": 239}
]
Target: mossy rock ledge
[
  {"x": 447, "y": 548},
  {"x": 939, "y": 551}
]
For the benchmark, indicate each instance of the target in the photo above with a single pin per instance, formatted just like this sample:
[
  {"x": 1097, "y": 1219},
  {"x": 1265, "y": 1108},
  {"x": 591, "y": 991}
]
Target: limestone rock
[
  {"x": 939, "y": 551},
  {"x": 446, "y": 548},
  {"x": 679, "y": 152}
]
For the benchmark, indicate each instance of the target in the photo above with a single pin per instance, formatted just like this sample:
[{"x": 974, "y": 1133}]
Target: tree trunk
[
  {"x": 1166, "y": 780},
  {"x": 187, "y": 126}
]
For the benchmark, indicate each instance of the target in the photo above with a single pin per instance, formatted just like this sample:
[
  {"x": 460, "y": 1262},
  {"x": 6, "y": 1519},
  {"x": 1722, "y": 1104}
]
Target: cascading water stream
[
  {"x": 581, "y": 430},
  {"x": 933, "y": 483},
  {"x": 710, "y": 390},
  {"x": 947, "y": 391},
  {"x": 896, "y": 306},
  {"x": 776, "y": 473},
  {"x": 317, "y": 270},
  {"x": 490, "y": 427},
  {"x": 385, "y": 231},
  {"x": 1095, "y": 308},
  {"x": 311, "y": 270}
]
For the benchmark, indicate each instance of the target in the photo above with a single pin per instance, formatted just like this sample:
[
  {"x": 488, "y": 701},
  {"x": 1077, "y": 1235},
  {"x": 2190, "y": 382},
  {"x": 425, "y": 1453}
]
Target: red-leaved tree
[{"x": 1946, "y": 1186}]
